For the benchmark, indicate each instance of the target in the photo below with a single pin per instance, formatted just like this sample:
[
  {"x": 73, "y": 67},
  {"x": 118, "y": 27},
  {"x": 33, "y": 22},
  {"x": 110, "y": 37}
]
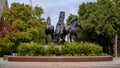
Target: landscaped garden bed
[{"x": 69, "y": 52}]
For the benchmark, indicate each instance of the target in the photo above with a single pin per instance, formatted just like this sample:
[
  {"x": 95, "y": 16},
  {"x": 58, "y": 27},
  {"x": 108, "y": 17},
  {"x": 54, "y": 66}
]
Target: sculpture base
[{"x": 60, "y": 58}]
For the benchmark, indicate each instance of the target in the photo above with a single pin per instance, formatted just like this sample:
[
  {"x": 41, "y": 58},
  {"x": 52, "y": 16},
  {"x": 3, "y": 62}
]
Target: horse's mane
[{"x": 74, "y": 19}]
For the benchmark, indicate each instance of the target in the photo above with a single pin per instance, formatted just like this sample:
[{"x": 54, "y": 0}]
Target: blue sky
[{"x": 53, "y": 7}]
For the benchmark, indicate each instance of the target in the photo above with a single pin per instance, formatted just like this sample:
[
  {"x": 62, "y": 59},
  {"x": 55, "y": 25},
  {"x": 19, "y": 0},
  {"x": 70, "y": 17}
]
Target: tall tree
[
  {"x": 100, "y": 21},
  {"x": 28, "y": 23}
]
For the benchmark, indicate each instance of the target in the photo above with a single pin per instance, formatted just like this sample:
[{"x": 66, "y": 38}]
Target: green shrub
[
  {"x": 5, "y": 46},
  {"x": 52, "y": 50},
  {"x": 89, "y": 48},
  {"x": 81, "y": 48},
  {"x": 30, "y": 49},
  {"x": 68, "y": 49}
]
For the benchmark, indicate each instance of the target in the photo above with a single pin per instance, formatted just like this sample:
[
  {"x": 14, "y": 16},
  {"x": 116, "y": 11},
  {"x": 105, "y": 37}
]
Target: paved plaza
[{"x": 105, "y": 64}]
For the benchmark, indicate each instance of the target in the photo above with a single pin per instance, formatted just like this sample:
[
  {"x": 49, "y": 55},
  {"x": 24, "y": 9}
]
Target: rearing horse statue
[{"x": 59, "y": 27}]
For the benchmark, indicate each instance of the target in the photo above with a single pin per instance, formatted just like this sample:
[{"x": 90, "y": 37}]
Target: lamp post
[{"x": 116, "y": 37}]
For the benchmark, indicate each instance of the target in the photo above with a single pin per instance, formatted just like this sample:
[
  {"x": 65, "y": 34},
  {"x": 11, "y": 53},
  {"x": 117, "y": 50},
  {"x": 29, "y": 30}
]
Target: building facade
[{"x": 3, "y": 5}]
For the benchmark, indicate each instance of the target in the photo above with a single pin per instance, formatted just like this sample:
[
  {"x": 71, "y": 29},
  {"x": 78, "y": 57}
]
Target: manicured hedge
[
  {"x": 30, "y": 49},
  {"x": 68, "y": 49},
  {"x": 52, "y": 50},
  {"x": 81, "y": 49}
]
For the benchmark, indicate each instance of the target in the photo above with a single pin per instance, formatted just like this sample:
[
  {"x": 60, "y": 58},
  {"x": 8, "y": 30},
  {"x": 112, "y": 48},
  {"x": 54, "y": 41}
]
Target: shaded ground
[{"x": 106, "y": 64}]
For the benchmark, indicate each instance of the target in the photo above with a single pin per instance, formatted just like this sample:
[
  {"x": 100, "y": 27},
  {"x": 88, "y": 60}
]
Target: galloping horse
[
  {"x": 71, "y": 29},
  {"x": 49, "y": 29}
]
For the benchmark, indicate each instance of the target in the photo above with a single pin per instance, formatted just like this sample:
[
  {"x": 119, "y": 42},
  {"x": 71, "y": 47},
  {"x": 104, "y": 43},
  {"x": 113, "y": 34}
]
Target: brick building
[{"x": 3, "y": 5}]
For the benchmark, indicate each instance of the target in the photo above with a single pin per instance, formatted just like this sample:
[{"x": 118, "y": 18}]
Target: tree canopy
[
  {"x": 101, "y": 22},
  {"x": 28, "y": 23}
]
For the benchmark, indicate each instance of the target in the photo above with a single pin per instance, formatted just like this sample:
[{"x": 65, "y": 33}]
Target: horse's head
[
  {"x": 76, "y": 22},
  {"x": 48, "y": 21},
  {"x": 62, "y": 16}
]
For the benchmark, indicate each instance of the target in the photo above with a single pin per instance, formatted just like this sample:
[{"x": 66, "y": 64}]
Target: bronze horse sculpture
[
  {"x": 49, "y": 29},
  {"x": 62, "y": 30},
  {"x": 70, "y": 30},
  {"x": 59, "y": 28}
]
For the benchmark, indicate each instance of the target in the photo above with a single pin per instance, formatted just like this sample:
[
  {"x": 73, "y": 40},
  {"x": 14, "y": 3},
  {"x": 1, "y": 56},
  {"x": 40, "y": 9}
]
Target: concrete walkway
[{"x": 106, "y": 64}]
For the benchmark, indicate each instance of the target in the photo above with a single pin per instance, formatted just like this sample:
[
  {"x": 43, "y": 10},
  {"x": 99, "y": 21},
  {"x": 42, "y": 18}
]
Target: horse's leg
[
  {"x": 76, "y": 36},
  {"x": 63, "y": 39},
  {"x": 46, "y": 40},
  {"x": 52, "y": 35},
  {"x": 56, "y": 38},
  {"x": 68, "y": 37}
]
